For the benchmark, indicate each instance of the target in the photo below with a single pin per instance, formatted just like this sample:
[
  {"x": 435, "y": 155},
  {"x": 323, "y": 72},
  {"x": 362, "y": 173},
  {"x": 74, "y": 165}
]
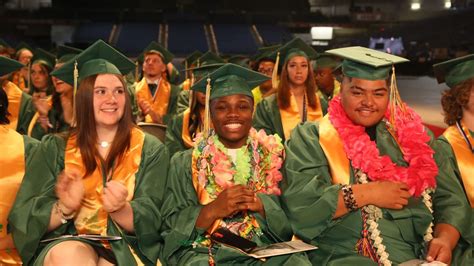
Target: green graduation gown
[
  {"x": 451, "y": 205},
  {"x": 310, "y": 200},
  {"x": 30, "y": 216},
  {"x": 183, "y": 101},
  {"x": 267, "y": 115},
  {"x": 174, "y": 135},
  {"x": 181, "y": 209}
]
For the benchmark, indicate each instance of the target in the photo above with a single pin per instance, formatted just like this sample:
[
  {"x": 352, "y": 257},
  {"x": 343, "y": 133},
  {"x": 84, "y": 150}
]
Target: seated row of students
[{"x": 358, "y": 184}]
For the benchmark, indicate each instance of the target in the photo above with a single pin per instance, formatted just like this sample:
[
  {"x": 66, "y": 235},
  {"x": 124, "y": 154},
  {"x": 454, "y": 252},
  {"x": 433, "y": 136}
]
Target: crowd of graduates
[{"x": 107, "y": 160}]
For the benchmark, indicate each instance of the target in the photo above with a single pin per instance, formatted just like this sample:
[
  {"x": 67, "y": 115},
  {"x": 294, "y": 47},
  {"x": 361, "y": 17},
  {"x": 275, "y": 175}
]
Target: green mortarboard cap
[
  {"x": 295, "y": 47},
  {"x": 204, "y": 70},
  {"x": 4, "y": 43},
  {"x": 191, "y": 58},
  {"x": 66, "y": 53},
  {"x": 210, "y": 58},
  {"x": 325, "y": 61},
  {"x": 365, "y": 63},
  {"x": 266, "y": 52},
  {"x": 231, "y": 79},
  {"x": 43, "y": 57},
  {"x": 455, "y": 71},
  {"x": 155, "y": 47},
  {"x": 23, "y": 45},
  {"x": 99, "y": 58},
  {"x": 240, "y": 60},
  {"x": 8, "y": 65}
]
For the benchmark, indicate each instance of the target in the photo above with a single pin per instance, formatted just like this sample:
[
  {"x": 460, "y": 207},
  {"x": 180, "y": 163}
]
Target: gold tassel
[
  {"x": 136, "y": 71},
  {"x": 395, "y": 99},
  {"x": 76, "y": 77},
  {"x": 29, "y": 76},
  {"x": 207, "y": 116},
  {"x": 185, "y": 69},
  {"x": 275, "y": 82},
  {"x": 197, "y": 64}
]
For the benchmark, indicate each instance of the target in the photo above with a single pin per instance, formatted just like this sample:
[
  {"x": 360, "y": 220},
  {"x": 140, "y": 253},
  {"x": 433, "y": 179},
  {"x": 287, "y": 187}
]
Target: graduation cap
[
  {"x": 266, "y": 52},
  {"x": 21, "y": 46},
  {"x": 191, "y": 58},
  {"x": 99, "y": 58},
  {"x": 4, "y": 43},
  {"x": 209, "y": 58},
  {"x": 455, "y": 71},
  {"x": 156, "y": 48},
  {"x": 8, "y": 65},
  {"x": 44, "y": 57},
  {"x": 295, "y": 47},
  {"x": 229, "y": 79},
  {"x": 240, "y": 60},
  {"x": 325, "y": 61},
  {"x": 66, "y": 53},
  {"x": 365, "y": 63}
]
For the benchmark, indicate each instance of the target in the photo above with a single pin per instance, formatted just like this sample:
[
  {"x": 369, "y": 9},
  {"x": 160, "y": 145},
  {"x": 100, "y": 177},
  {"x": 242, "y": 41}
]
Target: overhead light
[
  {"x": 415, "y": 6},
  {"x": 447, "y": 4},
  {"x": 322, "y": 33}
]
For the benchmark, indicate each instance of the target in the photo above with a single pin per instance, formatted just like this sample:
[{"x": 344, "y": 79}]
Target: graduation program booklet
[
  {"x": 84, "y": 236},
  {"x": 227, "y": 238}
]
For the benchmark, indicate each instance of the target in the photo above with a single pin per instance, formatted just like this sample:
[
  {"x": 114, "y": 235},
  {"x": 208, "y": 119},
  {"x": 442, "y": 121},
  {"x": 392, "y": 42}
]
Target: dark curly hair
[{"x": 454, "y": 99}]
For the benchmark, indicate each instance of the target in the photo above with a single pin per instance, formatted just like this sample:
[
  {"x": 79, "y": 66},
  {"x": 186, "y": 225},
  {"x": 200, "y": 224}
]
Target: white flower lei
[{"x": 374, "y": 213}]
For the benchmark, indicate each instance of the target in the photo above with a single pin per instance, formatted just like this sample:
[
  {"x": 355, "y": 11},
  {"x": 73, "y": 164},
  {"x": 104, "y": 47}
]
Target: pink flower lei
[
  {"x": 217, "y": 172},
  {"x": 364, "y": 154}
]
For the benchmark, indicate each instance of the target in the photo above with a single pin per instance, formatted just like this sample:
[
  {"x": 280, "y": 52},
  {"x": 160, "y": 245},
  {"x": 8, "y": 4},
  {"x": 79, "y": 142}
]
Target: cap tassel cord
[
  {"x": 76, "y": 76},
  {"x": 395, "y": 99},
  {"x": 207, "y": 116},
  {"x": 275, "y": 82}
]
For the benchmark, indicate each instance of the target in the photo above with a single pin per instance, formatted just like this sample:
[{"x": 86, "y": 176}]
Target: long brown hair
[
  {"x": 86, "y": 131},
  {"x": 283, "y": 92},
  {"x": 454, "y": 99}
]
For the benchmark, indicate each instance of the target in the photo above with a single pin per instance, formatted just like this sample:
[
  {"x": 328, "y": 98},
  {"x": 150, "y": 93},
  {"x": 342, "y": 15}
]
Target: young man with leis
[
  {"x": 230, "y": 179},
  {"x": 358, "y": 182},
  {"x": 453, "y": 200}
]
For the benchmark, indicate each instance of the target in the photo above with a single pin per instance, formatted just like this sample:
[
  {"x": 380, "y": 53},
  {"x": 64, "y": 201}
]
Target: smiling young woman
[{"x": 88, "y": 188}]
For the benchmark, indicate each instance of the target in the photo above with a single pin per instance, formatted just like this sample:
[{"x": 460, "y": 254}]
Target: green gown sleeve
[
  {"x": 267, "y": 117},
  {"x": 180, "y": 209},
  {"x": 172, "y": 104},
  {"x": 27, "y": 111},
  {"x": 133, "y": 100},
  {"x": 174, "y": 141},
  {"x": 30, "y": 146},
  {"x": 31, "y": 212},
  {"x": 183, "y": 101},
  {"x": 450, "y": 203},
  {"x": 147, "y": 200},
  {"x": 308, "y": 183}
]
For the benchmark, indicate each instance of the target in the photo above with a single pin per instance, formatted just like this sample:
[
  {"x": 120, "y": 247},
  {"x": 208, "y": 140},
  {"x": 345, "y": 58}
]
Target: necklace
[
  {"x": 104, "y": 144},
  {"x": 364, "y": 154}
]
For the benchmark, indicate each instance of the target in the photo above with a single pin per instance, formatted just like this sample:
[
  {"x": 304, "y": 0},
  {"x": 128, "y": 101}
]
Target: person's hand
[
  {"x": 233, "y": 200},
  {"x": 387, "y": 194},
  {"x": 147, "y": 109},
  {"x": 70, "y": 191},
  {"x": 257, "y": 206},
  {"x": 40, "y": 102},
  {"x": 114, "y": 196},
  {"x": 439, "y": 250}
]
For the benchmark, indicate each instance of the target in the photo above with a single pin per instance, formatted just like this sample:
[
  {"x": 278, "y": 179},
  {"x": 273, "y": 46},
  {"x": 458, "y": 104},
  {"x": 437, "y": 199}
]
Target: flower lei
[
  {"x": 365, "y": 158},
  {"x": 364, "y": 155},
  {"x": 257, "y": 167}
]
